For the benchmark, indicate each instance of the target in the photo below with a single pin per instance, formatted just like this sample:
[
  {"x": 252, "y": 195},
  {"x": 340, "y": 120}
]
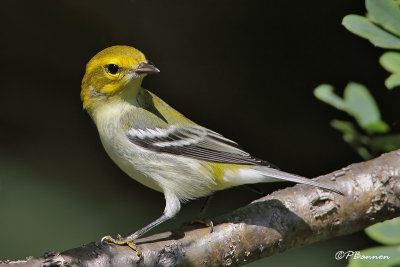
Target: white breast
[{"x": 116, "y": 144}]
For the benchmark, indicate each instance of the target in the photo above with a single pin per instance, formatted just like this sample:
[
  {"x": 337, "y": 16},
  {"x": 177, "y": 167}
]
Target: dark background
[{"x": 243, "y": 68}]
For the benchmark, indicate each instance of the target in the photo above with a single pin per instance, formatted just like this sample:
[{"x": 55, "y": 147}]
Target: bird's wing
[{"x": 192, "y": 141}]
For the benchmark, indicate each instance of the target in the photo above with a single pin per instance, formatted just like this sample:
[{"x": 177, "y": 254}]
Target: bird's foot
[
  {"x": 122, "y": 242},
  {"x": 206, "y": 222}
]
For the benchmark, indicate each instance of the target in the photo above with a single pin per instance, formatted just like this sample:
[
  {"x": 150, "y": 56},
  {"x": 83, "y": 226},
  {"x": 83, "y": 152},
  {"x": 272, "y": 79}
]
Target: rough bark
[{"x": 285, "y": 219}]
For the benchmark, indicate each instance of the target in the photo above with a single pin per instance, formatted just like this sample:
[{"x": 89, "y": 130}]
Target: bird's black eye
[{"x": 112, "y": 68}]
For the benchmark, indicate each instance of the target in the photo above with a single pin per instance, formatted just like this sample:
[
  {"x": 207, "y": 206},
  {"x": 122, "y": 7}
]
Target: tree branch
[{"x": 285, "y": 219}]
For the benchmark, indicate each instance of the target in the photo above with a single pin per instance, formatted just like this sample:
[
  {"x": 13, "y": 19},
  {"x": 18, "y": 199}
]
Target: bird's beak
[{"x": 146, "y": 68}]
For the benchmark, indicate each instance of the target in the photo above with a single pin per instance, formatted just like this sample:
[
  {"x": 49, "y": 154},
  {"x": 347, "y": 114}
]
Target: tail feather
[{"x": 280, "y": 175}]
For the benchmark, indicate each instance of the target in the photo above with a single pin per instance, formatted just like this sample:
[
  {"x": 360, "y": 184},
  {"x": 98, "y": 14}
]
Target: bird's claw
[
  {"x": 121, "y": 242},
  {"x": 205, "y": 222}
]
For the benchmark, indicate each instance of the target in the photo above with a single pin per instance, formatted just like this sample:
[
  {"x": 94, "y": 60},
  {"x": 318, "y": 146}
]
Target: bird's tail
[{"x": 271, "y": 174}]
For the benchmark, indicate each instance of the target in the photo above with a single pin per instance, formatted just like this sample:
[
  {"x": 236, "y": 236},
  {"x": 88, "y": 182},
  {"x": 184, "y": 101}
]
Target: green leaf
[
  {"x": 377, "y": 127},
  {"x": 357, "y": 102},
  {"x": 387, "y": 232},
  {"x": 386, "y": 13},
  {"x": 392, "y": 252},
  {"x": 393, "y": 80},
  {"x": 365, "y": 28},
  {"x": 347, "y": 128},
  {"x": 361, "y": 104},
  {"x": 325, "y": 93},
  {"x": 390, "y": 61}
]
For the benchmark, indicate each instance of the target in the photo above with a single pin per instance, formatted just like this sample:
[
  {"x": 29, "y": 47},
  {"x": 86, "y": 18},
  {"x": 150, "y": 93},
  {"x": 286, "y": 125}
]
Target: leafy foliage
[
  {"x": 390, "y": 61},
  {"x": 381, "y": 27},
  {"x": 365, "y": 28},
  {"x": 360, "y": 104},
  {"x": 387, "y": 233}
]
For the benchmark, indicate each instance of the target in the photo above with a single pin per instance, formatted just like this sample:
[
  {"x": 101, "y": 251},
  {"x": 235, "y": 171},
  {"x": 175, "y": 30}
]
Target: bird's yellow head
[{"x": 111, "y": 71}]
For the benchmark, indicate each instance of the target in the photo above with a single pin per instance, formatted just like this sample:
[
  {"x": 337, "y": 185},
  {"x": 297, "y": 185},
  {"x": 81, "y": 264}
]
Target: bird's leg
[
  {"x": 172, "y": 207},
  {"x": 129, "y": 239},
  {"x": 200, "y": 219},
  {"x": 205, "y": 206}
]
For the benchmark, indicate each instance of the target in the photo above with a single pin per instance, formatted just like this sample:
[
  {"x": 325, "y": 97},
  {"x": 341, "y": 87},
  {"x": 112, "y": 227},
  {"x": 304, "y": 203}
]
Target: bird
[{"x": 158, "y": 146}]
